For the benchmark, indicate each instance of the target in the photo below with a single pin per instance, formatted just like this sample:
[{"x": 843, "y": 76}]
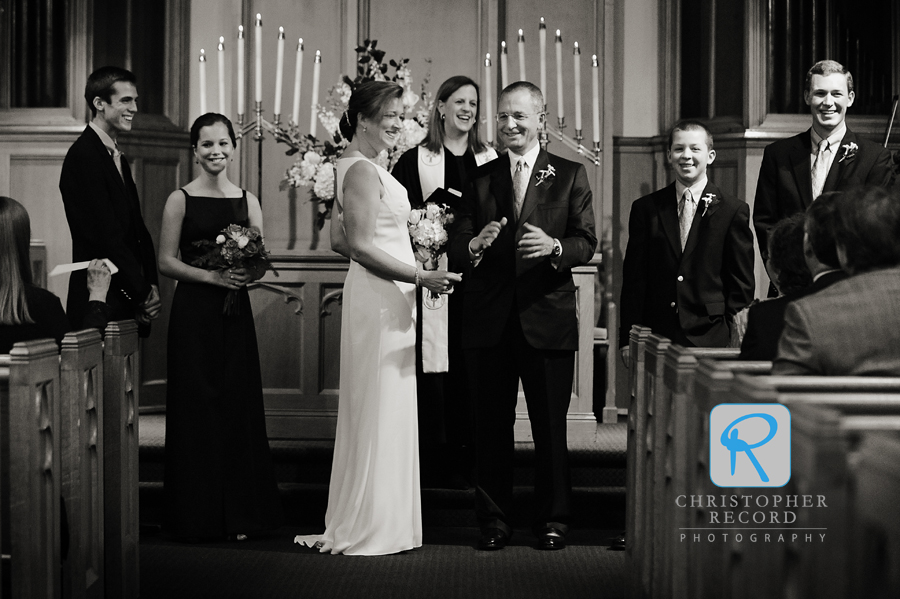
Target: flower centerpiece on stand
[{"x": 315, "y": 158}]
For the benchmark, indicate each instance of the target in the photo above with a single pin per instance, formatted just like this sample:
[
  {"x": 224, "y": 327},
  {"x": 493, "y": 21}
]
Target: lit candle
[
  {"x": 488, "y": 107},
  {"x": 542, "y": 35},
  {"x": 298, "y": 72},
  {"x": 314, "y": 116},
  {"x": 595, "y": 88},
  {"x": 504, "y": 66},
  {"x": 257, "y": 59},
  {"x": 521, "y": 55},
  {"x": 240, "y": 71},
  {"x": 559, "y": 84},
  {"x": 577, "y": 57},
  {"x": 221, "y": 75},
  {"x": 202, "y": 81},
  {"x": 279, "y": 76}
]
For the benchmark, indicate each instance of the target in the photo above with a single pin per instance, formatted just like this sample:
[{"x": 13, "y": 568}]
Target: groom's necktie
[
  {"x": 686, "y": 211},
  {"x": 520, "y": 185},
  {"x": 819, "y": 170}
]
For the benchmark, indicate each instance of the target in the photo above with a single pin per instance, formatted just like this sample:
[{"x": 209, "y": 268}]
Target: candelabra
[{"x": 573, "y": 143}]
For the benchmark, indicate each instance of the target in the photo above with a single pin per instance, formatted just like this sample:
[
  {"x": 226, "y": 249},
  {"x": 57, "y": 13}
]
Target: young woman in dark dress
[
  {"x": 446, "y": 159},
  {"x": 219, "y": 480}
]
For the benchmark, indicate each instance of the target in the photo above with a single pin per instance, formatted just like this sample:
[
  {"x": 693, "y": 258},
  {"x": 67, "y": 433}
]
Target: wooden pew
[
  {"x": 121, "y": 372},
  {"x": 31, "y": 443},
  {"x": 637, "y": 339},
  {"x": 824, "y": 445},
  {"x": 741, "y": 569},
  {"x": 81, "y": 383},
  {"x": 876, "y": 571}
]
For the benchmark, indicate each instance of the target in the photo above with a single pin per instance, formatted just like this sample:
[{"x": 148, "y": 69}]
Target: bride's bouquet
[
  {"x": 428, "y": 232},
  {"x": 234, "y": 247}
]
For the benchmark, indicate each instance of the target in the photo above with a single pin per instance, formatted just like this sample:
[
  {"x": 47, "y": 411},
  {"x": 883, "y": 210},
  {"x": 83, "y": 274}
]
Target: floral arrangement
[
  {"x": 710, "y": 199},
  {"x": 428, "y": 232},
  {"x": 235, "y": 246},
  {"x": 848, "y": 152},
  {"x": 314, "y": 165}
]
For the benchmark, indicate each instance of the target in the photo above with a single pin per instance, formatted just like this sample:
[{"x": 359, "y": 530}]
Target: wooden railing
[
  {"x": 668, "y": 457},
  {"x": 68, "y": 433}
]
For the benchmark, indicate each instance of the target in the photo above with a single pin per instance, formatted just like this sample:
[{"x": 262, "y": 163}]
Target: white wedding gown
[{"x": 374, "y": 505}]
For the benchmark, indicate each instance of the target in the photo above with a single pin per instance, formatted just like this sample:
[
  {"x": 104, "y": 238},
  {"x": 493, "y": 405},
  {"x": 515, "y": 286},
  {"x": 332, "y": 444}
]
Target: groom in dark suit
[
  {"x": 103, "y": 209},
  {"x": 527, "y": 220},
  {"x": 826, "y": 157},
  {"x": 688, "y": 265}
]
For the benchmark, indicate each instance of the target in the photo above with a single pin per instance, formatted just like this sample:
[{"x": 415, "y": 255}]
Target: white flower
[
  {"x": 415, "y": 216},
  {"x": 220, "y": 239},
  {"x": 410, "y": 98},
  {"x": 324, "y": 186},
  {"x": 433, "y": 211},
  {"x": 307, "y": 172},
  {"x": 242, "y": 241},
  {"x": 312, "y": 158}
]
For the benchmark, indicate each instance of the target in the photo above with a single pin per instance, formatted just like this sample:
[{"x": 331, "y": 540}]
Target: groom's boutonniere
[
  {"x": 545, "y": 174},
  {"x": 848, "y": 152},
  {"x": 710, "y": 199}
]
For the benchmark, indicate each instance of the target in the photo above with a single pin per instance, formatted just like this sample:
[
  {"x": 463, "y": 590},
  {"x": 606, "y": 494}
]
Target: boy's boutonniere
[
  {"x": 545, "y": 174},
  {"x": 710, "y": 199},
  {"x": 848, "y": 152}
]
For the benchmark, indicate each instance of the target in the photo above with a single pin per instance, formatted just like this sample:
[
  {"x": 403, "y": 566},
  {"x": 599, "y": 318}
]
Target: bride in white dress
[{"x": 374, "y": 505}]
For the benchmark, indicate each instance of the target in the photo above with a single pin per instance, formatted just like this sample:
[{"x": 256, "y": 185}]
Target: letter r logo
[{"x": 750, "y": 445}]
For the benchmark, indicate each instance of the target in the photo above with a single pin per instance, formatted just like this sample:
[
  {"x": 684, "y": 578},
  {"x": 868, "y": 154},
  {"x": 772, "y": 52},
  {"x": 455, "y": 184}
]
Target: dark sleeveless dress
[{"x": 219, "y": 478}]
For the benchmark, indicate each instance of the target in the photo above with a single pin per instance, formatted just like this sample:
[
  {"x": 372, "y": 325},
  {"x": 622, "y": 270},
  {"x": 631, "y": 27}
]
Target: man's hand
[
  {"x": 625, "y": 352},
  {"x": 98, "y": 278},
  {"x": 151, "y": 307},
  {"x": 487, "y": 236},
  {"x": 535, "y": 243}
]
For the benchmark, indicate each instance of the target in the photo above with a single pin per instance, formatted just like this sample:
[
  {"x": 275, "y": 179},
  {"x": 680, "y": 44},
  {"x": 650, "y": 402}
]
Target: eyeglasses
[{"x": 517, "y": 116}]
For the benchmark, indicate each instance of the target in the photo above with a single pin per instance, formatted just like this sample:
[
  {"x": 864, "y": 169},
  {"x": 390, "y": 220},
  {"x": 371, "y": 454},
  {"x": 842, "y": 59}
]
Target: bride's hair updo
[{"x": 368, "y": 100}]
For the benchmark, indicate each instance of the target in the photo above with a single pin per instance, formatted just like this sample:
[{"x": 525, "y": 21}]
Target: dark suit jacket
[
  {"x": 105, "y": 221},
  {"x": 543, "y": 296},
  {"x": 850, "y": 328},
  {"x": 765, "y": 320},
  {"x": 785, "y": 183},
  {"x": 690, "y": 297}
]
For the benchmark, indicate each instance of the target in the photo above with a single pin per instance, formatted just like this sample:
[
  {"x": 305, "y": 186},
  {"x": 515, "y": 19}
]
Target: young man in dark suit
[
  {"x": 688, "y": 265},
  {"x": 852, "y": 327},
  {"x": 826, "y": 157},
  {"x": 528, "y": 219},
  {"x": 103, "y": 209}
]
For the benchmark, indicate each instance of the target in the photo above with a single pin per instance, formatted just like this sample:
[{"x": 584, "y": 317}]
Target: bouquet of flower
[
  {"x": 314, "y": 165},
  {"x": 234, "y": 247},
  {"x": 428, "y": 232}
]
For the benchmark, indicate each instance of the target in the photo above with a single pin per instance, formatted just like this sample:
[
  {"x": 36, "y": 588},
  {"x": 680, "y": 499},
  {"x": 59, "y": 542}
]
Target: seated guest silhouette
[
  {"x": 26, "y": 311},
  {"x": 853, "y": 326},
  {"x": 787, "y": 269}
]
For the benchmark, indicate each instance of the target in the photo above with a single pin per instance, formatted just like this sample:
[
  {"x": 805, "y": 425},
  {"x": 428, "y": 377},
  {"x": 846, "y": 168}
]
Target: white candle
[
  {"x": 521, "y": 55},
  {"x": 298, "y": 72},
  {"x": 504, "y": 66},
  {"x": 240, "y": 71},
  {"x": 314, "y": 116},
  {"x": 488, "y": 107},
  {"x": 595, "y": 88},
  {"x": 577, "y": 58},
  {"x": 221, "y": 66},
  {"x": 559, "y": 84},
  {"x": 202, "y": 81},
  {"x": 542, "y": 35},
  {"x": 279, "y": 75},
  {"x": 257, "y": 59}
]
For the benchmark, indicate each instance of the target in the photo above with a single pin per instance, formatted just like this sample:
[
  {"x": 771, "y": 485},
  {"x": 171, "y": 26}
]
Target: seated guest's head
[
  {"x": 690, "y": 151},
  {"x": 15, "y": 267},
  {"x": 819, "y": 247},
  {"x": 867, "y": 230},
  {"x": 786, "y": 265}
]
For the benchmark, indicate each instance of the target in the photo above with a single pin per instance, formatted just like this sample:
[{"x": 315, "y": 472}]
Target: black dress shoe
[
  {"x": 551, "y": 539},
  {"x": 492, "y": 539}
]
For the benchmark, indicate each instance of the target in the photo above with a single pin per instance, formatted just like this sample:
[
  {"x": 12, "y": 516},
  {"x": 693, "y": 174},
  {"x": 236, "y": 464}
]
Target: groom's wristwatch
[{"x": 557, "y": 249}]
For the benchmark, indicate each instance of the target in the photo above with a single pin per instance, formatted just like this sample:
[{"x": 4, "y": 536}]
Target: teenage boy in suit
[
  {"x": 689, "y": 260},
  {"x": 103, "y": 209}
]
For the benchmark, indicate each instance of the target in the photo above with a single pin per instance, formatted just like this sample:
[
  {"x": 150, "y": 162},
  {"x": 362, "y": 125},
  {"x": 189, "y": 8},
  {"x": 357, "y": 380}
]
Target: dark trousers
[{"x": 547, "y": 377}]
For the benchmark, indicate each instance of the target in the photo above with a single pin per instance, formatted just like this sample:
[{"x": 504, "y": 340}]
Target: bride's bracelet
[{"x": 418, "y": 281}]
